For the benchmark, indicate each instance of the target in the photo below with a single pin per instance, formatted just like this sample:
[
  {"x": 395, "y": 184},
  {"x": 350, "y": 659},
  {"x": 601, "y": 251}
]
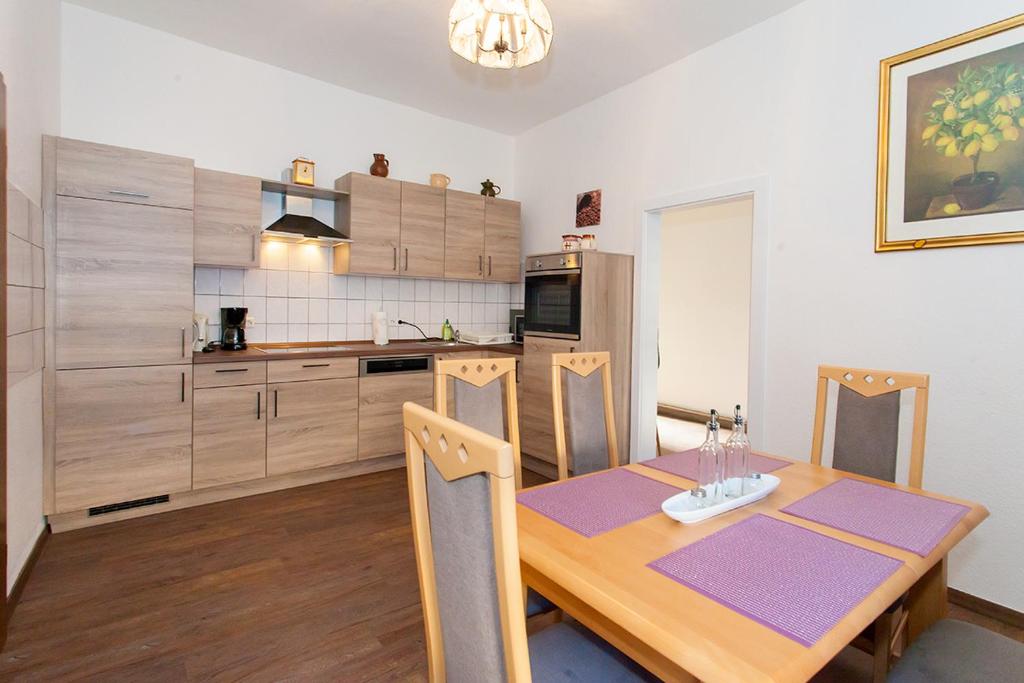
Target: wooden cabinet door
[
  {"x": 380, "y": 410},
  {"x": 422, "y": 248},
  {"x": 124, "y": 284},
  {"x": 537, "y": 416},
  {"x": 229, "y": 435},
  {"x": 372, "y": 215},
  {"x": 464, "y": 236},
  {"x": 501, "y": 239},
  {"x": 311, "y": 424},
  {"x": 228, "y": 218},
  {"x": 122, "y": 434},
  {"x": 95, "y": 171}
]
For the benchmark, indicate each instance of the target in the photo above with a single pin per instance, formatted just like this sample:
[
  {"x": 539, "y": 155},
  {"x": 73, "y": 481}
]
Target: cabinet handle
[
  {"x": 234, "y": 370},
  {"x": 183, "y": 342},
  {"x": 183, "y": 387},
  {"x": 488, "y": 266},
  {"x": 259, "y": 400},
  {"x": 394, "y": 258},
  {"x": 275, "y": 402},
  {"x": 407, "y": 258},
  {"x": 481, "y": 264},
  {"x": 126, "y": 193},
  {"x": 317, "y": 365},
  {"x": 254, "y": 241}
]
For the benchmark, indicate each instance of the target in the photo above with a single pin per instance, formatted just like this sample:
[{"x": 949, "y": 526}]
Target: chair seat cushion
[
  {"x": 569, "y": 652},
  {"x": 957, "y": 651},
  {"x": 537, "y": 604}
]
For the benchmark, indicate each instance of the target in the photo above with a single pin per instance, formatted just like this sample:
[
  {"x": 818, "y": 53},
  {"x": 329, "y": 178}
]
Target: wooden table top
[{"x": 694, "y": 634}]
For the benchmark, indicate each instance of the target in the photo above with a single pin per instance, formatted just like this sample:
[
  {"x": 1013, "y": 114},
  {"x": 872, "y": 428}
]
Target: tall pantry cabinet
[{"x": 119, "y": 372}]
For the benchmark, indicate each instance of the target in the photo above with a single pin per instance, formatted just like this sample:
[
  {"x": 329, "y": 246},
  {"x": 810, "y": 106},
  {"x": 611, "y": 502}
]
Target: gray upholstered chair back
[
  {"x": 867, "y": 421},
  {"x": 481, "y": 408},
  {"x": 585, "y": 422},
  {"x": 467, "y": 596}
]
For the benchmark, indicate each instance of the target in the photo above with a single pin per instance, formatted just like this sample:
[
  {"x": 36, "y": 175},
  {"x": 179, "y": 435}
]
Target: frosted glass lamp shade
[{"x": 500, "y": 34}]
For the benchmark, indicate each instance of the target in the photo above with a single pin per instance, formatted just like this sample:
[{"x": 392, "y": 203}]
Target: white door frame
[{"x": 646, "y": 283}]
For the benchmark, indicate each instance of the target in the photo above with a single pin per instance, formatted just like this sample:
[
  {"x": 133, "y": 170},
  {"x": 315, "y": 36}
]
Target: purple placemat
[
  {"x": 600, "y": 502},
  {"x": 684, "y": 463},
  {"x": 794, "y": 581},
  {"x": 898, "y": 518}
]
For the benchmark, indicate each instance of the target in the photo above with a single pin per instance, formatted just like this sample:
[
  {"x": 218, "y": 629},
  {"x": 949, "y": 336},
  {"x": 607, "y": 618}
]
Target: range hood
[{"x": 298, "y": 225}]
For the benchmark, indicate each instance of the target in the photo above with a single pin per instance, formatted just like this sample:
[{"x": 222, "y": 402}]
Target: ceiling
[{"x": 398, "y": 49}]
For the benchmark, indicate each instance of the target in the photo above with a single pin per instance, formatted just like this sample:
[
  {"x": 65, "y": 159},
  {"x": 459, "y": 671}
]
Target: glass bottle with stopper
[
  {"x": 710, "y": 460},
  {"x": 737, "y": 458}
]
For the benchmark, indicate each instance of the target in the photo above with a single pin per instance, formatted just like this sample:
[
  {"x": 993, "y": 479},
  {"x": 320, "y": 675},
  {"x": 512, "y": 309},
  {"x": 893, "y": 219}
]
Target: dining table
[{"x": 609, "y": 580}]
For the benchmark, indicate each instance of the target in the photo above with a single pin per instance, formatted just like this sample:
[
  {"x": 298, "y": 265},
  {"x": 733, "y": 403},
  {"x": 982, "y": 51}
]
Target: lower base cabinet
[
  {"x": 311, "y": 424},
  {"x": 229, "y": 435},
  {"x": 122, "y": 434},
  {"x": 380, "y": 410}
]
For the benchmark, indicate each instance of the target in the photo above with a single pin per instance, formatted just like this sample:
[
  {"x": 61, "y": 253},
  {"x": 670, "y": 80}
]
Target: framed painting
[
  {"x": 951, "y": 142},
  {"x": 588, "y": 209}
]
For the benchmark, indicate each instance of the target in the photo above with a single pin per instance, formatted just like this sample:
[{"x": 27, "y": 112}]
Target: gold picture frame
[{"x": 884, "y": 240}]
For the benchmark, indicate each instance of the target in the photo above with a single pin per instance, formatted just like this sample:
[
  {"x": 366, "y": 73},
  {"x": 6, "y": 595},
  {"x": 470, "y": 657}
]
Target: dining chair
[
  {"x": 462, "y": 499},
  {"x": 867, "y": 421},
  {"x": 865, "y": 442},
  {"x": 952, "y": 651},
  {"x": 590, "y": 428},
  {"x": 476, "y": 400}
]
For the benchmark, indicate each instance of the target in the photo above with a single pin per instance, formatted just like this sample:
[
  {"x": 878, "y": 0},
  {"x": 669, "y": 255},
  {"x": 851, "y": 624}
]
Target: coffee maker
[{"x": 232, "y": 320}]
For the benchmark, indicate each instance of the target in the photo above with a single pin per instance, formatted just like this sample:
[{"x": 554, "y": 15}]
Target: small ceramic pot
[
  {"x": 380, "y": 166},
  {"x": 490, "y": 189},
  {"x": 439, "y": 180}
]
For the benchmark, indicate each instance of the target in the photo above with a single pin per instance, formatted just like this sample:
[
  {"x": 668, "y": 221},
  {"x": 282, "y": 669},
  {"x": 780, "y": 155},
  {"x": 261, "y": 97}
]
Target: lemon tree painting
[{"x": 964, "y": 124}]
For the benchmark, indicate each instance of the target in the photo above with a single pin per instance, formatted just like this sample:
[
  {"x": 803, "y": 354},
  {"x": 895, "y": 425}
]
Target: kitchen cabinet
[
  {"x": 123, "y": 284},
  {"x": 122, "y": 434},
  {"x": 464, "y": 236},
  {"x": 502, "y": 227},
  {"x": 422, "y": 234},
  {"x": 229, "y": 435},
  {"x": 311, "y": 424},
  {"x": 380, "y": 410},
  {"x": 537, "y": 416},
  {"x": 228, "y": 218},
  {"x": 94, "y": 171},
  {"x": 371, "y": 215}
]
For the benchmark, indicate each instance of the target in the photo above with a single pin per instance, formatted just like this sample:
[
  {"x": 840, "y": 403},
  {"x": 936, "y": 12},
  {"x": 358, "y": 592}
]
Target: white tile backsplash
[{"x": 294, "y": 298}]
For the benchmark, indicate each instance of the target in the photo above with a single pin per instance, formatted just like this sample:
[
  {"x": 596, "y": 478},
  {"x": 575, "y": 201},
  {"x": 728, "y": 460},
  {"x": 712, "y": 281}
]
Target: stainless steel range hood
[{"x": 297, "y": 224}]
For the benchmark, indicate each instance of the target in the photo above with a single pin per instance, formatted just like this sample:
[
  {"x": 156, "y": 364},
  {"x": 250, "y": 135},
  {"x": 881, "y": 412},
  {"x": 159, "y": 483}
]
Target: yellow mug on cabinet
[{"x": 439, "y": 180}]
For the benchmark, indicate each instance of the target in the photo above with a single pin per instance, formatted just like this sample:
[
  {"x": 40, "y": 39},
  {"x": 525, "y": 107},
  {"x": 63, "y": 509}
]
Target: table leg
[{"x": 927, "y": 602}]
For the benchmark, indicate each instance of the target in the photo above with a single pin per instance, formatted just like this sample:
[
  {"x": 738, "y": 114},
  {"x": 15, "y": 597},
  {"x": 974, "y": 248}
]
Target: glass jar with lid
[{"x": 570, "y": 242}]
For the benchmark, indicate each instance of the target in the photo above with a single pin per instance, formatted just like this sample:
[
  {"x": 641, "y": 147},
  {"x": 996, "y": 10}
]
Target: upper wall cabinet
[
  {"x": 371, "y": 215},
  {"x": 94, "y": 171},
  {"x": 501, "y": 239},
  {"x": 464, "y": 236},
  {"x": 228, "y": 217},
  {"x": 422, "y": 238}
]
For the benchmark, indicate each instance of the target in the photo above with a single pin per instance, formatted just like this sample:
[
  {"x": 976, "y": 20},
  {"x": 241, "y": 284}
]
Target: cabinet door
[
  {"x": 91, "y": 170},
  {"x": 501, "y": 239},
  {"x": 311, "y": 424},
  {"x": 228, "y": 217},
  {"x": 380, "y": 410},
  {"x": 124, "y": 284},
  {"x": 229, "y": 435},
  {"x": 464, "y": 236},
  {"x": 537, "y": 416},
  {"x": 422, "y": 252},
  {"x": 372, "y": 214},
  {"x": 122, "y": 434}
]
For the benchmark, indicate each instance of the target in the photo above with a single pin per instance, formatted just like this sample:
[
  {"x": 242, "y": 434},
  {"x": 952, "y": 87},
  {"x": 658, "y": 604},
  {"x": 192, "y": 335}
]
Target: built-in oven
[{"x": 552, "y": 304}]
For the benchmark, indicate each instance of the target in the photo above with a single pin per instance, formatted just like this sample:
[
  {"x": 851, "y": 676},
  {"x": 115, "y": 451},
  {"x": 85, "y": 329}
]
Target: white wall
[
  {"x": 29, "y": 61},
  {"x": 125, "y": 84},
  {"x": 704, "y": 327},
  {"x": 799, "y": 107}
]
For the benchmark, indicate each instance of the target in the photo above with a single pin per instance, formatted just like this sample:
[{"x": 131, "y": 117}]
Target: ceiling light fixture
[{"x": 500, "y": 34}]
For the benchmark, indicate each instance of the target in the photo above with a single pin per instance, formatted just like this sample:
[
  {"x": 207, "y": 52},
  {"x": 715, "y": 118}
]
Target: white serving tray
[
  {"x": 683, "y": 508},
  {"x": 496, "y": 338}
]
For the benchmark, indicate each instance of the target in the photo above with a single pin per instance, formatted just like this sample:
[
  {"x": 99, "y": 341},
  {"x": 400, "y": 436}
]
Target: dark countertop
[{"x": 356, "y": 349}]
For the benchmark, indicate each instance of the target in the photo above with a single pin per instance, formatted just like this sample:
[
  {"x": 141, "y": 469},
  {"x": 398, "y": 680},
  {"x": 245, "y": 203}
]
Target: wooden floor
[{"x": 316, "y": 583}]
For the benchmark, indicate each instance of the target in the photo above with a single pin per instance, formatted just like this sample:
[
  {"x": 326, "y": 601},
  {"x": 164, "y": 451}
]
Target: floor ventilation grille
[{"x": 128, "y": 504}]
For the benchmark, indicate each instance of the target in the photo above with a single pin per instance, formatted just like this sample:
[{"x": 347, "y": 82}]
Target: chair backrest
[
  {"x": 867, "y": 421},
  {"x": 478, "y": 398},
  {"x": 462, "y": 499},
  {"x": 591, "y": 419}
]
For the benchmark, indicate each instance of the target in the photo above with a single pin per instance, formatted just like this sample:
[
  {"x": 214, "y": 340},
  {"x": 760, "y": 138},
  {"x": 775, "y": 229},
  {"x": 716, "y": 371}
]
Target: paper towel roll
[{"x": 379, "y": 322}]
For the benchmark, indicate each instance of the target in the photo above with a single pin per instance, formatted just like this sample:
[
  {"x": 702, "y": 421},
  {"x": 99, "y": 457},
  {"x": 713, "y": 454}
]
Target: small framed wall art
[{"x": 588, "y": 209}]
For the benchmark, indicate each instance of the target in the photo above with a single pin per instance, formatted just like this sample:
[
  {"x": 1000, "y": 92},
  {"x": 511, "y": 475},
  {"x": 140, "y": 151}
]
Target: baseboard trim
[
  {"x": 689, "y": 415},
  {"x": 26, "y": 570},
  {"x": 985, "y": 608}
]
